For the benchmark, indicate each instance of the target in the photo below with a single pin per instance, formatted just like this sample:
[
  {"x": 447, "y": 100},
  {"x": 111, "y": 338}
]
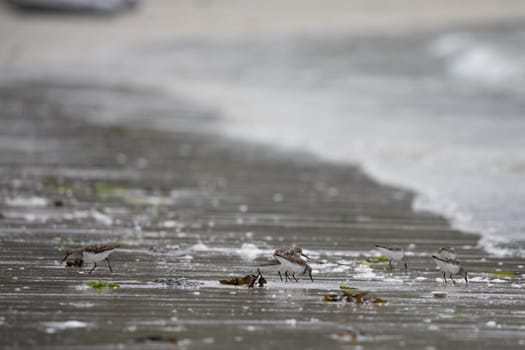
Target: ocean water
[{"x": 441, "y": 113}]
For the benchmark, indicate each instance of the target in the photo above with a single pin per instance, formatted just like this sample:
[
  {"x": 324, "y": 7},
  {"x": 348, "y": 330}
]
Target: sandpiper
[
  {"x": 393, "y": 254},
  {"x": 275, "y": 266},
  {"x": 292, "y": 262},
  {"x": 447, "y": 253},
  {"x": 450, "y": 266},
  {"x": 92, "y": 254}
]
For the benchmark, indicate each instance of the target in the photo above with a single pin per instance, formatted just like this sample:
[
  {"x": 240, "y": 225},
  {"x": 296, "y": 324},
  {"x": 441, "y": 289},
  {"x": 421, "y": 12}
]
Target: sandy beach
[{"x": 105, "y": 155}]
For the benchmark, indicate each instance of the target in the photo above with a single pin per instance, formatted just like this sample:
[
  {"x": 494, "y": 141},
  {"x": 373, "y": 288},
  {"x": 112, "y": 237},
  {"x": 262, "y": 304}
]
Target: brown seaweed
[
  {"x": 357, "y": 297},
  {"x": 249, "y": 280},
  {"x": 333, "y": 297},
  {"x": 157, "y": 339},
  {"x": 347, "y": 336}
]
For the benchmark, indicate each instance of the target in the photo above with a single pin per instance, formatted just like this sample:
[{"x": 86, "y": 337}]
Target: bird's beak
[
  {"x": 65, "y": 257},
  {"x": 306, "y": 256}
]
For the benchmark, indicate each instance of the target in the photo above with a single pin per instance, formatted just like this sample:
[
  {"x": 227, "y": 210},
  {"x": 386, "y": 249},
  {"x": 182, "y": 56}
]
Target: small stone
[{"x": 439, "y": 294}]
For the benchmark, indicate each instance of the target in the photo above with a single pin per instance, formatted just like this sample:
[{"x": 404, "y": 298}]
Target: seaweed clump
[
  {"x": 98, "y": 285},
  {"x": 351, "y": 296},
  {"x": 157, "y": 339},
  {"x": 347, "y": 336},
  {"x": 249, "y": 280}
]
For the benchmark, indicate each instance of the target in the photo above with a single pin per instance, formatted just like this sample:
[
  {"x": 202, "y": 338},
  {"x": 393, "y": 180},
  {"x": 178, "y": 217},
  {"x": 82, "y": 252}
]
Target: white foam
[
  {"x": 476, "y": 60},
  {"x": 247, "y": 251},
  {"x": 53, "y": 327},
  {"x": 26, "y": 201},
  {"x": 364, "y": 271},
  {"x": 101, "y": 217},
  {"x": 250, "y": 251}
]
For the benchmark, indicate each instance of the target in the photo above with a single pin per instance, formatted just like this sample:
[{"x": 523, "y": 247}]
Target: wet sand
[{"x": 194, "y": 205}]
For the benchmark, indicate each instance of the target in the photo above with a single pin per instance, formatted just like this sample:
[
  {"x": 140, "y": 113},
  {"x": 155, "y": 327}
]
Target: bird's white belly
[
  {"x": 448, "y": 267},
  {"x": 392, "y": 255},
  {"x": 272, "y": 268},
  {"x": 441, "y": 264},
  {"x": 93, "y": 258},
  {"x": 289, "y": 266},
  {"x": 453, "y": 269}
]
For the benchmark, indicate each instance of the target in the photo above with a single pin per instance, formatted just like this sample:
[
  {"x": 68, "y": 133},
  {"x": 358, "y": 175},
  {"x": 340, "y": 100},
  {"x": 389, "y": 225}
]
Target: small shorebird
[
  {"x": 451, "y": 266},
  {"x": 92, "y": 254},
  {"x": 292, "y": 262},
  {"x": 275, "y": 265},
  {"x": 393, "y": 254}
]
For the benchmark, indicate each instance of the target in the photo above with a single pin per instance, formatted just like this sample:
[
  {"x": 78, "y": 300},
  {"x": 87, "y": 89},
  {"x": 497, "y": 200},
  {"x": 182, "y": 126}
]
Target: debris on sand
[
  {"x": 439, "y": 294},
  {"x": 354, "y": 296},
  {"x": 347, "y": 287},
  {"x": 98, "y": 285},
  {"x": 158, "y": 339},
  {"x": 347, "y": 336},
  {"x": 180, "y": 282},
  {"x": 58, "y": 202},
  {"x": 376, "y": 260},
  {"x": 249, "y": 280}
]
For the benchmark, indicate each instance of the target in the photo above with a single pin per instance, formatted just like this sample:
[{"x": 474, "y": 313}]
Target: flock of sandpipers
[{"x": 287, "y": 261}]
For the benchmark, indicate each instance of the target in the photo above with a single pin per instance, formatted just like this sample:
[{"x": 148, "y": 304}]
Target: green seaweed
[
  {"x": 462, "y": 317},
  {"x": 63, "y": 190},
  {"x": 66, "y": 241},
  {"x": 505, "y": 273},
  {"x": 105, "y": 189},
  {"x": 501, "y": 273},
  {"x": 98, "y": 285},
  {"x": 347, "y": 288},
  {"x": 379, "y": 260}
]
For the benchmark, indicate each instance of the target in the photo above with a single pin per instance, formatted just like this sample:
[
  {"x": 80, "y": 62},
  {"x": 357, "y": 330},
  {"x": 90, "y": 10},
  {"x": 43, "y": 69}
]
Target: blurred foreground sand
[{"x": 31, "y": 38}]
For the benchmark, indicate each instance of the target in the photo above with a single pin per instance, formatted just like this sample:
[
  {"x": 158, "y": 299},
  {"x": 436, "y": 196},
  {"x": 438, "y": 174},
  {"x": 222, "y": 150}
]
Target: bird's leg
[
  {"x": 445, "y": 277},
  {"x": 280, "y": 276},
  {"x": 310, "y": 274},
  {"x": 406, "y": 267},
  {"x": 110, "y": 269},
  {"x": 94, "y": 267},
  {"x": 452, "y": 278},
  {"x": 286, "y": 276},
  {"x": 259, "y": 277},
  {"x": 390, "y": 264},
  {"x": 293, "y": 275}
]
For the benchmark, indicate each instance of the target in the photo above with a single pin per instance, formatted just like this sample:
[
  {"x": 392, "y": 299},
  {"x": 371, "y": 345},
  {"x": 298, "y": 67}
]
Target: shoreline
[{"x": 202, "y": 207}]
